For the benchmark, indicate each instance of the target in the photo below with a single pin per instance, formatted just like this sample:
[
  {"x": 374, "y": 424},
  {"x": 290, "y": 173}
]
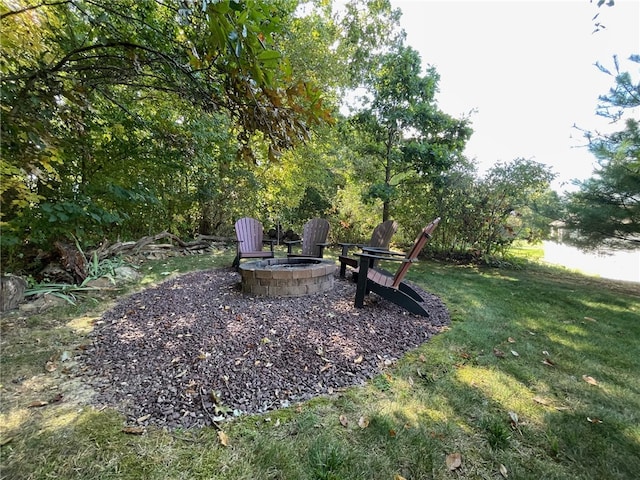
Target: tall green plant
[{"x": 401, "y": 133}]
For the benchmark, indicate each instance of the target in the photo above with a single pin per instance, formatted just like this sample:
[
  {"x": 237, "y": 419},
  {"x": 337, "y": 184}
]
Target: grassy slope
[{"x": 452, "y": 395}]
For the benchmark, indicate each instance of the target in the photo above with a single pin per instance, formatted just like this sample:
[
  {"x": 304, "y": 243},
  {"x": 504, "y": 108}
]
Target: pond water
[{"x": 615, "y": 265}]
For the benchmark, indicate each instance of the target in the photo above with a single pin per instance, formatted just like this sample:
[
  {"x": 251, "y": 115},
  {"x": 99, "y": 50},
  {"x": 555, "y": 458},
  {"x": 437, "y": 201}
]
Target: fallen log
[{"x": 147, "y": 243}]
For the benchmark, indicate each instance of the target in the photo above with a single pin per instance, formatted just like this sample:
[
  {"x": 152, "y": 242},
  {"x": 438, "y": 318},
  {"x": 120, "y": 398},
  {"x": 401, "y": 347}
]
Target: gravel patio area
[{"x": 193, "y": 349}]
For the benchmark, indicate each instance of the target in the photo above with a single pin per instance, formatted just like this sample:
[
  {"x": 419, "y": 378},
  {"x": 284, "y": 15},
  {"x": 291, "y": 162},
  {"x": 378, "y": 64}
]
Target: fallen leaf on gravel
[
  {"x": 325, "y": 368},
  {"x": 589, "y": 380},
  {"x": 133, "y": 430},
  {"x": 454, "y": 461},
  {"x": 344, "y": 421},
  {"x": 363, "y": 422},
  {"x": 223, "y": 438},
  {"x": 503, "y": 471},
  {"x": 359, "y": 359},
  {"x": 37, "y": 403},
  {"x": 143, "y": 418}
]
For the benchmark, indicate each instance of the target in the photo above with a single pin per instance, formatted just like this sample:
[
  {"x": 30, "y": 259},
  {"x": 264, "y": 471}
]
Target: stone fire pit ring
[{"x": 287, "y": 277}]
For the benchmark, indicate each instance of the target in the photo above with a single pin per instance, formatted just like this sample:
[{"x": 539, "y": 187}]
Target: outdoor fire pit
[{"x": 287, "y": 277}]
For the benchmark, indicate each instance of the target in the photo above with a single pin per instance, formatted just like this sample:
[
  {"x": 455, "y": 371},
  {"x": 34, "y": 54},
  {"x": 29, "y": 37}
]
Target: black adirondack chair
[
  {"x": 389, "y": 286},
  {"x": 380, "y": 238}
]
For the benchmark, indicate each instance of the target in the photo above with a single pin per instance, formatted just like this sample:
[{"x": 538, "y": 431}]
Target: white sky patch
[{"x": 527, "y": 70}]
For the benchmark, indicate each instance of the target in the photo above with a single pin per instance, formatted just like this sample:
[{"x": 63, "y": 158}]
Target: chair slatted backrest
[
  {"x": 420, "y": 242},
  {"x": 249, "y": 233},
  {"x": 314, "y": 231},
  {"x": 381, "y": 236}
]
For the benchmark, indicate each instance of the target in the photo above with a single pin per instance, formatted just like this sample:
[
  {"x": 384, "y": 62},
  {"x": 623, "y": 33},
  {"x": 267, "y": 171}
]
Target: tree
[
  {"x": 400, "y": 130},
  {"x": 605, "y": 211}
]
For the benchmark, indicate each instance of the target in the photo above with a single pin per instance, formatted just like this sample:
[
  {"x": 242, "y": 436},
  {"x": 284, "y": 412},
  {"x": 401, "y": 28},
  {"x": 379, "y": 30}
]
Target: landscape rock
[
  {"x": 126, "y": 274},
  {"x": 42, "y": 303},
  {"x": 195, "y": 349}
]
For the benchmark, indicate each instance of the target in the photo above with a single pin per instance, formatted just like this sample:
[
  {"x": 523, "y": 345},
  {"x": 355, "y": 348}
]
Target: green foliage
[
  {"x": 482, "y": 216},
  {"x": 126, "y": 117},
  {"x": 96, "y": 268},
  {"x": 61, "y": 290},
  {"x": 368, "y": 28},
  {"x": 400, "y": 132},
  {"x": 605, "y": 211}
]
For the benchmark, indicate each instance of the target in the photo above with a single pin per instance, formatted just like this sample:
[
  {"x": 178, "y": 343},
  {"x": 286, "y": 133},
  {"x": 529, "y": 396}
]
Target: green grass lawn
[{"x": 538, "y": 377}]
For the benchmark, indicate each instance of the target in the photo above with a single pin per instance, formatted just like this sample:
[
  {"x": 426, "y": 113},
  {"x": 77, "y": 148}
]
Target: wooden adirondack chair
[
  {"x": 250, "y": 241},
  {"x": 387, "y": 285},
  {"x": 380, "y": 238},
  {"x": 314, "y": 238}
]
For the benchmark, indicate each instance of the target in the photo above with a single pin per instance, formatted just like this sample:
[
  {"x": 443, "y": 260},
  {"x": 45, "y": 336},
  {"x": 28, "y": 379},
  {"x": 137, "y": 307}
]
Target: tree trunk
[
  {"x": 385, "y": 210},
  {"x": 11, "y": 292}
]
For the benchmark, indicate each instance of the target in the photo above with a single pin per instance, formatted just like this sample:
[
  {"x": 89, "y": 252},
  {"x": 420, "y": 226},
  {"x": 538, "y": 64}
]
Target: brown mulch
[{"x": 194, "y": 349}]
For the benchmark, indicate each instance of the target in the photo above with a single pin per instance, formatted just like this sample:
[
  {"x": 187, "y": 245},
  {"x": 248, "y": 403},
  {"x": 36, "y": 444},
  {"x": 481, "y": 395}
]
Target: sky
[{"x": 525, "y": 68}]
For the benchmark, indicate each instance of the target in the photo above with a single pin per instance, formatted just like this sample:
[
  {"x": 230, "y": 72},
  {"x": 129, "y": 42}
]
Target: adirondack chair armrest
[
  {"x": 322, "y": 246},
  {"x": 386, "y": 258},
  {"x": 382, "y": 251},
  {"x": 270, "y": 241},
  {"x": 290, "y": 244},
  {"x": 346, "y": 246}
]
